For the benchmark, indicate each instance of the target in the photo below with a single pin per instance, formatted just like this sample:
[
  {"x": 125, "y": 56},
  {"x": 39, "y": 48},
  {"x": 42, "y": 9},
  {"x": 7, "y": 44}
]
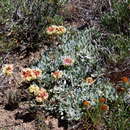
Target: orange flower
[
  {"x": 36, "y": 73},
  {"x": 102, "y": 100},
  {"x": 68, "y": 61},
  {"x": 56, "y": 30},
  {"x": 125, "y": 79},
  {"x": 30, "y": 74},
  {"x": 57, "y": 74},
  {"x": 27, "y": 74},
  {"x": 104, "y": 107},
  {"x": 60, "y": 30},
  {"x": 86, "y": 103},
  {"x": 89, "y": 80},
  {"x": 43, "y": 94},
  {"x": 51, "y": 30},
  {"x": 7, "y": 69}
]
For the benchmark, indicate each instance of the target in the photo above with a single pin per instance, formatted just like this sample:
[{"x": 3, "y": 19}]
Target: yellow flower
[
  {"x": 57, "y": 74},
  {"x": 68, "y": 61},
  {"x": 7, "y": 69},
  {"x": 89, "y": 80},
  {"x": 34, "y": 89}
]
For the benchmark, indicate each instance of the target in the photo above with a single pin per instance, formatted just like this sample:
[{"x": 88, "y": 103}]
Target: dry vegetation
[{"x": 64, "y": 64}]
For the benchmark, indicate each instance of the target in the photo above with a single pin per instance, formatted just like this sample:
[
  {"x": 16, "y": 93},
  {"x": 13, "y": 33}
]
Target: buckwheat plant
[{"x": 73, "y": 73}]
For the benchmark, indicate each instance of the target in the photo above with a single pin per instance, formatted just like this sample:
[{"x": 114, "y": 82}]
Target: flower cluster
[
  {"x": 125, "y": 79},
  {"x": 40, "y": 93},
  {"x": 102, "y": 99},
  {"x": 57, "y": 74},
  {"x": 7, "y": 69},
  {"x": 68, "y": 61},
  {"x": 89, "y": 80},
  {"x": 86, "y": 103},
  {"x": 34, "y": 89},
  {"x": 104, "y": 107},
  {"x": 28, "y": 74},
  {"x": 55, "y": 30}
]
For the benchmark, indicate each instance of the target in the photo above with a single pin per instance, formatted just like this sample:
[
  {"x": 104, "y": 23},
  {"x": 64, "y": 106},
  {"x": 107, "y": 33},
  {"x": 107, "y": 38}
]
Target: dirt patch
[{"x": 8, "y": 121}]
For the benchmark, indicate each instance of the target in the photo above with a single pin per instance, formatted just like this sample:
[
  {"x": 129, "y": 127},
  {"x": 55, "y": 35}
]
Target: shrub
[
  {"x": 29, "y": 19},
  {"x": 117, "y": 46},
  {"x": 81, "y": 80},
  {"x": 5, "y": 10},
  {"x": 118, "y": 20}
]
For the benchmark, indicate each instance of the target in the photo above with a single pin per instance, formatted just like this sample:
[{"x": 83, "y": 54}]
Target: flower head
[
  {"x": 51, "y": 30},
  {"x": 60, "y": 30},
  {"x": 34, "y": 89},
  {"x": 125, "y": 79},
  {"x": 42, "y": 95},
  {"x": 104, "y": 107},
  {"x": 102, "y": 100},
  {"x": 86, "y": 103},
  {"x": 89, "y": 80},
  {"x": 55, "y": 30},
  {"x": 68, "y": 61},
  {"x": 57, "y": 74},
  {"x": 39, "y": 99},
  {"x": 7, "y": 69},
  {"x": 27, "y": 74},
  {"x": 36, "y": 73}
]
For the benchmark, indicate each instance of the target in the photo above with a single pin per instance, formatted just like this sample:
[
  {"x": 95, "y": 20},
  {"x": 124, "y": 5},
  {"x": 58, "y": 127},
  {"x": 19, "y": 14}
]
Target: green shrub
[
  {"x": 118, "y": 47},
  {"x": 68, "y": 92},
  {"x": 29, "y": 19},
  {"x": 5, "y": 10},
  {"x": 118, "y": 20}
]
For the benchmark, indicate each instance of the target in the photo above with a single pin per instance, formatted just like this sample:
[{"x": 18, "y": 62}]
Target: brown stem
[{"x": 16, "y": 80}]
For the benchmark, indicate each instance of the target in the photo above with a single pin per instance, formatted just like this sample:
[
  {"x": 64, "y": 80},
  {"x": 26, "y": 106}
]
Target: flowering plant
[
  {"x": 73, "y": 78},
  {"x": 55, "y": 30},
  {"x": 28, "y": 74},
  {"x": 7, "y": 69}
]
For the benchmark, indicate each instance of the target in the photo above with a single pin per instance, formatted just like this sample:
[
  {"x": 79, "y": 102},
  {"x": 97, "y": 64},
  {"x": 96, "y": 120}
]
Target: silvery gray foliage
[{"x": 68, "y": 93}]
